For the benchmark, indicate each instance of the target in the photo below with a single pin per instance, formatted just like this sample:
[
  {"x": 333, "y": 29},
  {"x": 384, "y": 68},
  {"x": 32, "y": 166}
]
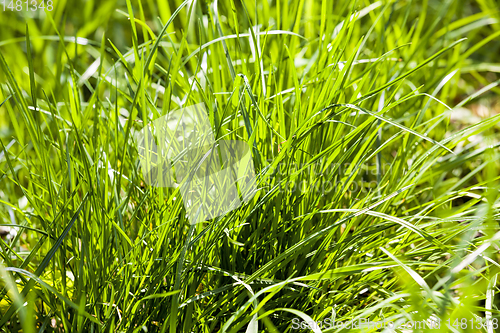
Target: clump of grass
[{"x": 375, "y": 201}]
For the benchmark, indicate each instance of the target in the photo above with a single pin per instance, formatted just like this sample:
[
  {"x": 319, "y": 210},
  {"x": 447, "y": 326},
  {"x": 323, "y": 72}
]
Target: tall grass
[{"x": 375, "y": 135}]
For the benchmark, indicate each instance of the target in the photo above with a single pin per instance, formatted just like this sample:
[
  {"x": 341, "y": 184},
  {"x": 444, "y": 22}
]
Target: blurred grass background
[{"x": 376, "y": 133}]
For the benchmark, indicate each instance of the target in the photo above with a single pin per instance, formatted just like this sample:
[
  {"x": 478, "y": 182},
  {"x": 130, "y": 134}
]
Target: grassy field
[{"x": 374, "y": 131}]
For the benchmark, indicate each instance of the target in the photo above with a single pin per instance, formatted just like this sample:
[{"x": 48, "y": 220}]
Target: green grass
[{"x": 375, "y": 129}]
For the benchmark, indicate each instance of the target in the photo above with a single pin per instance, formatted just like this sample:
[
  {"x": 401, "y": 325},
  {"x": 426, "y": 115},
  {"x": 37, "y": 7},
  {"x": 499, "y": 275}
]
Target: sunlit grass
[{"x": 375, "y": 135}]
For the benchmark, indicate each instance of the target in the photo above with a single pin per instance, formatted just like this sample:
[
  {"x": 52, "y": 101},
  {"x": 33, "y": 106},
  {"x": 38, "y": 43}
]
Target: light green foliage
[{"x": 375, "y": 136}]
